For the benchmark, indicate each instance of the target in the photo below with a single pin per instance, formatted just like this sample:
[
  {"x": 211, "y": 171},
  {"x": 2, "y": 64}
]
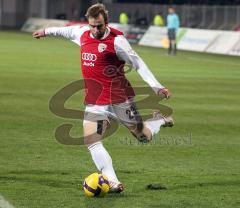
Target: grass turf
[{"x": 201, "y": 170}]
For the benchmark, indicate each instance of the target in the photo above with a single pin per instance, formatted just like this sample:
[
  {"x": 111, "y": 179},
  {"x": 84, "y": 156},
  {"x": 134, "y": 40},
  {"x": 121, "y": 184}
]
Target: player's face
[
  {"x": 170, "y": 10},
  {"x": 97, "y": 26}
]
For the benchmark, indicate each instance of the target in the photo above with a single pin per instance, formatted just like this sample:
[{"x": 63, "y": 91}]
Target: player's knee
[
  {"x": 94, "y": 131},
  {"x": 89, "y": 140},
  {"x": 141, "y": 137},
  {"x": 140, "y": 132}
]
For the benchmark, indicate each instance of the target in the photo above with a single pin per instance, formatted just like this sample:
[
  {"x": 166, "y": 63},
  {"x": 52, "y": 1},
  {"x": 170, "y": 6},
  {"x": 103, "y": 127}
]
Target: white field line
[{"x": 4, "y": 203}]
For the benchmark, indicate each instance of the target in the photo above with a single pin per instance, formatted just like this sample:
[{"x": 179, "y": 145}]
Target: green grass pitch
[{"x": 197, "y": 161}]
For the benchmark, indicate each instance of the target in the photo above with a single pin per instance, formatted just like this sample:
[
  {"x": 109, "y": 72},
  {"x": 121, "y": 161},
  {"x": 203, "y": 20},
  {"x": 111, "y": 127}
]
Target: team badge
[{"x": 101, "y": 47}]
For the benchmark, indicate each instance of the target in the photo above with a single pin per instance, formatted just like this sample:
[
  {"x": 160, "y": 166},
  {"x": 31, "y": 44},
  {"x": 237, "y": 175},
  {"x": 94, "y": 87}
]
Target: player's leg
[
  {"x": 142, "y": 130},
  {"x": 158, "y": 120},
  {"x": 174, "y": 44},
  {"x": 174, "y": 47},
  {"x": 169, "y": 43},
  {"x": 170, "y": 47},
  {"x": 150, "y": 127},
  {"x": 129, "y": 116},
  {"x": 94, "y": 127}
]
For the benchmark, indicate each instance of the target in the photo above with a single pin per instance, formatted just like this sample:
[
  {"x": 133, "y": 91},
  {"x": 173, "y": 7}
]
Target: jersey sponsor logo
[
  {"x": 89, "y": 57},
  {"x": 88, "y": 63},
  {"x": 101, "y": 47}
]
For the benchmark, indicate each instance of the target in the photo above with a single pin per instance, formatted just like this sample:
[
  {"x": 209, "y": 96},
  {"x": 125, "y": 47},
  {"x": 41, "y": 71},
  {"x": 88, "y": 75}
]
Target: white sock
[
  {"x": 154, "y": 125},
  {"x": 103, "y": 161}
]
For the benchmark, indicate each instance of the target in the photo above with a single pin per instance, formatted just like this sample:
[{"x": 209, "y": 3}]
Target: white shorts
[{"x": 125, "y": 113}]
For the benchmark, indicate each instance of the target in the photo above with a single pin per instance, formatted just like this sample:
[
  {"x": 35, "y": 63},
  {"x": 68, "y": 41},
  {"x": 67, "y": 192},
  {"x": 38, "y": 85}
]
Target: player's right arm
[{"x": 72, "y": 33}]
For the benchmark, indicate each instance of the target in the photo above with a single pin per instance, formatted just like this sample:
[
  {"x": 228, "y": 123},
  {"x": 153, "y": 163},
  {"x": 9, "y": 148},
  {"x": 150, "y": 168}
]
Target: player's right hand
[{"x": 39, "y": 34}]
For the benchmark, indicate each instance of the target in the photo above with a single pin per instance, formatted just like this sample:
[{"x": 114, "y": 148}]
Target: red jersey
[
  {"x": 103, "y": 62},
  {"x": 103, "y": 72}
]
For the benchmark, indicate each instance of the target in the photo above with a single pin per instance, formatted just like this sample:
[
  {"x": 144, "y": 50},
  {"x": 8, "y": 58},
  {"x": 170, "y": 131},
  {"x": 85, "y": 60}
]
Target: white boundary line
[{"x": 4, "y": 203}]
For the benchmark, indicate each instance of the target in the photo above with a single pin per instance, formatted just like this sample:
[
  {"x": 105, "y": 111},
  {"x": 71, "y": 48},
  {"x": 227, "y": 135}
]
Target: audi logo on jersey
[{"x": 89, "y": 57}]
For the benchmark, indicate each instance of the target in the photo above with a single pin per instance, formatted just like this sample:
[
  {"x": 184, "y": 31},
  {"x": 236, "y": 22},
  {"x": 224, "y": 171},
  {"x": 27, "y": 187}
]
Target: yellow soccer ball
[{"x": 95, "y": 185}]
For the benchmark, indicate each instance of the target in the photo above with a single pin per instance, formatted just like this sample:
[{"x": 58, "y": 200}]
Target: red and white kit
[
  {"x": 102, "y": 63},
  {"x": 108, "y": 92}
]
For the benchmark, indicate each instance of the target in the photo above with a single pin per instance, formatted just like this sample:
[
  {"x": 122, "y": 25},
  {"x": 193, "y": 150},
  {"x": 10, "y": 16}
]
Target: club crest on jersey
[{"x": 101, "y": 47}]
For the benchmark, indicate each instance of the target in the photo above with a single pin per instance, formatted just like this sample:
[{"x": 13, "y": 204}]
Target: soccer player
[
  {"x": 172, "y": 25},
  {"x": 104, "y": 51}
]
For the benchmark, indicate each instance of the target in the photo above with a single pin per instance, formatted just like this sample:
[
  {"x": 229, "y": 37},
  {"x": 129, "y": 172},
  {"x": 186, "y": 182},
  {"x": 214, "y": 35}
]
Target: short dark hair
[{"x": 95, "y": 10}]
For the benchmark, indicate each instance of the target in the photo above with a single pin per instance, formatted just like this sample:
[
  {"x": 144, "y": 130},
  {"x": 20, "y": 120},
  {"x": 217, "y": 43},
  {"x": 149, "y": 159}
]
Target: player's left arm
[{"x": 126, "y": 53}]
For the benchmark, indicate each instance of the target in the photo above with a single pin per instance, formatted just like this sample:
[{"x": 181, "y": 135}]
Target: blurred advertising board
[
  {"x": 235, "y": 50},
  {"x": 33, "y": 24},
  {"x": 135, "y": 34},
  {"x": 211, "y": 41},
  {"x": 223, "y": 43},
  {"x": 197, "y": 39},
  {"x": 157, "y": 37},
  {"x": 132, "y": 33}
]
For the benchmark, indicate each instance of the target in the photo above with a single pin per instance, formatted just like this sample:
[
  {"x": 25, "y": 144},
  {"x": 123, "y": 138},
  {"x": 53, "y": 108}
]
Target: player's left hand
[{"x": 164, "y": 92}]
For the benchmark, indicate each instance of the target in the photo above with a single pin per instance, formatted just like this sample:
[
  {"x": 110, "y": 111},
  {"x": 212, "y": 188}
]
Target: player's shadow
[
  {"x": 36, "y": 172},
  {"x": 42, "y": 181},
  {"x": 39, "y": 176},
  {"x": 63, "y": 179},
  {"x": 42, "y": 177},
  {"x": 55, "y": 179}
]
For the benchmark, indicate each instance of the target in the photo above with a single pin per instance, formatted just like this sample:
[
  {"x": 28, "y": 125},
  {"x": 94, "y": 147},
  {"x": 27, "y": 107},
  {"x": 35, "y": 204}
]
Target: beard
[{"x": 98, "y": 35}]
